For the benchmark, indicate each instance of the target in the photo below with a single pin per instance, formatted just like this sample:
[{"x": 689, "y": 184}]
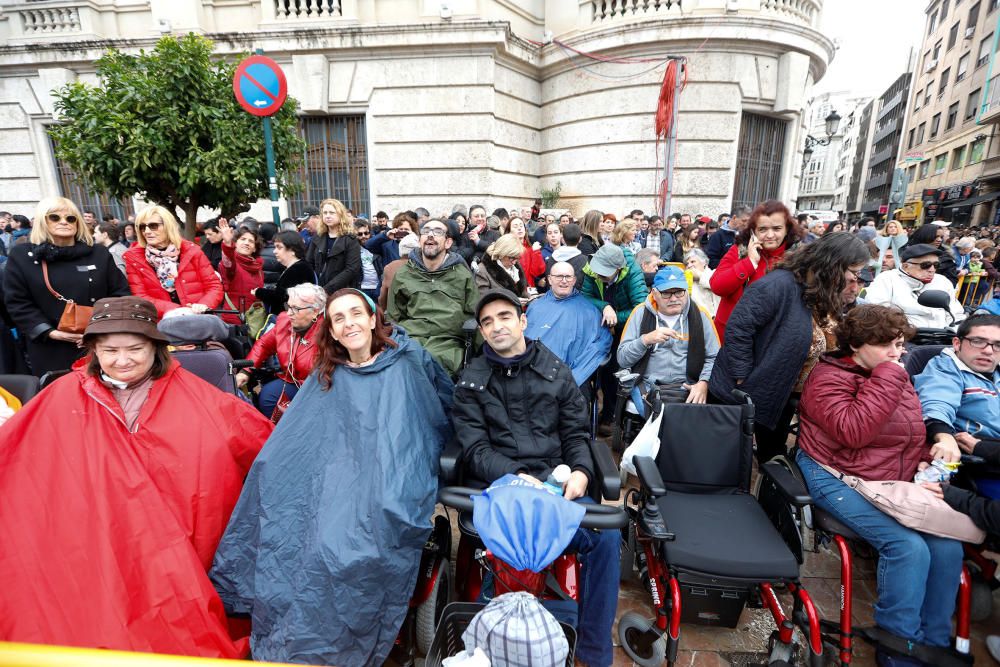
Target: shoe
[
  {"x": 884, "y": 658},
  {"x": 604, "y": 430},
  {"x": 993, "y": 646}
]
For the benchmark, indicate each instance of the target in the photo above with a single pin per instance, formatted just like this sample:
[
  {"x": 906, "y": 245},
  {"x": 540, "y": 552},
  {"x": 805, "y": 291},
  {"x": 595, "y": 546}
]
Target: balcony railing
[
  {"x": 49, "y": 20},
  {"x": 795, "y": 11},
  {"x": 297, "y": 10},
  {"x": 991, "y": 112},
  {"x": 606, "y": 10},
  {"x": 802, "y": 11}
]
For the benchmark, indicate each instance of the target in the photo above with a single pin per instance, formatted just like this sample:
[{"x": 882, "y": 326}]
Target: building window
[
  {"x": 957, "y": 158},
  {"x": 976, "y": 152},
  {"x": 953, "y": 35},
  {"x": 932, "y": 24},
  {"x": 73, "y": 188},
  {"x": 927, "y": 94},
  {"x": 993, "y": 5},
  {"x": 920, "y": 133},
  {"x": 944, "y": 81},
  {"x": 335, "y": 163},
  {"x": 909, "y": 141},
  {"x": 973, "y": 104},
  {"x": 973, "y": 17},
  {"x": 935, "y": 125},
  {"x": 984, "y": 50},
  {"x": 937, "y": 50},
  {"x": 939, "y": 163},
  {"x": 918, "y": 97},
  {"x": 911, "y": 174},
  {"x": 944, "y": 10},
  {"x": 963, "y": 67},
  {"x": 758, "y": 159},
  {"x": 925, "y": 167},
  {"x": 952, "y": 116}
]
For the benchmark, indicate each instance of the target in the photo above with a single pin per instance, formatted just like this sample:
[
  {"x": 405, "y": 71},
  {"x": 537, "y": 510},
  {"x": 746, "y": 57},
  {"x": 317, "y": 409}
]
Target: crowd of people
[{"x": 371, "y": 327}]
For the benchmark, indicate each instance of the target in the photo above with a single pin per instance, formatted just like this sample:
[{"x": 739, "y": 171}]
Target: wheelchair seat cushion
[
  {"x": 826, "y": 522},
  {"x": 725, "y": 536}
]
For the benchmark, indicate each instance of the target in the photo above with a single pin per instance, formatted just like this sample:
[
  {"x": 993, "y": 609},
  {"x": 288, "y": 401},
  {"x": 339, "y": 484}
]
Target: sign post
[{"x": 260, "y": 88}]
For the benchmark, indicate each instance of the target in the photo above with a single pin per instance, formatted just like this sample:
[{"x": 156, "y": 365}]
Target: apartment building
[
  {"x": 945, "y": 149},
  {"x": 886, "y": 136}
]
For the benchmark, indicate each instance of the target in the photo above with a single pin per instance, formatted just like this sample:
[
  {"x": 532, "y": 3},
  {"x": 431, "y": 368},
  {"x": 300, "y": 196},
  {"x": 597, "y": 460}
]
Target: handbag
[
  {"x": 915, "y": 507},
  {"x": 74, "y": 317}
]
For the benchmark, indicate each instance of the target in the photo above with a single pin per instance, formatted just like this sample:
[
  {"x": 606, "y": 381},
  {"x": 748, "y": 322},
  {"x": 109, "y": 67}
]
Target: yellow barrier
[
  {"x": 975, "y": 293},
  {"x": 40, "y": 655}
]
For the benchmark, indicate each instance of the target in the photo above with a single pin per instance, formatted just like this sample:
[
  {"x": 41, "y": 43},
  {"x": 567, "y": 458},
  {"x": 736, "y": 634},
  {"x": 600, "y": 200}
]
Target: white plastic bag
[
  {"x": 646, "y": 443},
  {"x": 466, "y": 659}
]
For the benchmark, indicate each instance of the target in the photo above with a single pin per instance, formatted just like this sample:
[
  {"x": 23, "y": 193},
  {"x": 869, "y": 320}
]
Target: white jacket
[
  {"x": 701, "y": 292},
  {"x": 898, "y": 289}
]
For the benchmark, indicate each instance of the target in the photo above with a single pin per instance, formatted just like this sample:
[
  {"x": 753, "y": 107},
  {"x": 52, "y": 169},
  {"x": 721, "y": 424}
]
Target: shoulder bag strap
[
  {"x": 696, "y": 343},
  {"x": 48, "y": 285},
  {"x": 646, "y": 324}
]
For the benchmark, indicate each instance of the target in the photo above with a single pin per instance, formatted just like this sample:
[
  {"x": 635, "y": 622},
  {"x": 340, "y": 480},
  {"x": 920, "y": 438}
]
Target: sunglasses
[
  {"x": 55, "y": 217},
  {"x": 151, "y": 226},
  {"x": 926, "y": 265}
]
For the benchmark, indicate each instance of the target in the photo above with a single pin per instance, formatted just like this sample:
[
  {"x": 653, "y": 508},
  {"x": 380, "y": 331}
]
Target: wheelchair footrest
[{"x": 931, "y": 655}]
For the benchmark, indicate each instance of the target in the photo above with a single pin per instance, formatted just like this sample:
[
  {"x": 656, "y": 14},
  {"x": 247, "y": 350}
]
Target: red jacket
[
  {"x": 532, "y": 263},
  {"x": 733, "y": 275},
  {"x": 196, "y": 281},
  {"x": 239, "y": 275},
  {"x": 860, "y": 423},
  {"x": 115, "y": 530},
  {"x": 296, "y": 353}
]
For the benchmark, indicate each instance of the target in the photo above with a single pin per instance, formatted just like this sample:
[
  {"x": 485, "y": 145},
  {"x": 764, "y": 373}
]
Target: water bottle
[
  {"x": 938, "y": 471},
  {"x": 559, "y": 476}
]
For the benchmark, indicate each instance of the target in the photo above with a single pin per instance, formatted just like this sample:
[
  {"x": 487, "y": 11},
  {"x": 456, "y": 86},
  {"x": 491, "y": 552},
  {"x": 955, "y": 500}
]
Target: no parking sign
[{"x": 260, "y": 86}]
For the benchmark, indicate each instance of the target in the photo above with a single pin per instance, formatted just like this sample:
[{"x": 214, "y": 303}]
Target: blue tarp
[
  {"x": 324, "y": 545},
  {"x": 572, "y": 329}
]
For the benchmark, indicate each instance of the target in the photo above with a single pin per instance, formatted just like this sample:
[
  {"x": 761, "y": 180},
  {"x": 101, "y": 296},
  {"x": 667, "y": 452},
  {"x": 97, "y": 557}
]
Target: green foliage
[
  {"x": 166, "y": 125},
  {"x": 551, "y": 197}
]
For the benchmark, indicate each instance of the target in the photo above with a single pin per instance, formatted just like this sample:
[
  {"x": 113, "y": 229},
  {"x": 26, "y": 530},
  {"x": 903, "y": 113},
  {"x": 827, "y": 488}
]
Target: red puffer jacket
[
  {"x": 733, "y": 275},
  {"x": 196, "y": 281},
  {"x": 296, "y": 353},
  {"x": 239, "y": 275},
  {"x": 861, "y": 423},
  {"x": 532, "y": 263}
]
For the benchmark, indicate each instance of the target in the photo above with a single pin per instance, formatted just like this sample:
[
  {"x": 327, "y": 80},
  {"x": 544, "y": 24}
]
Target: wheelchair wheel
[
  {"x": 633, "y": 632},
  {"x": 981, "y": 603},
  {"x": 429, "y": 612}
]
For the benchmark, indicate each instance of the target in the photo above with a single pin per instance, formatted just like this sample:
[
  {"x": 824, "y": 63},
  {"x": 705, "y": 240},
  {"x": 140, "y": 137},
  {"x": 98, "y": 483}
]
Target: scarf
[{"x": 164, "y": 262}]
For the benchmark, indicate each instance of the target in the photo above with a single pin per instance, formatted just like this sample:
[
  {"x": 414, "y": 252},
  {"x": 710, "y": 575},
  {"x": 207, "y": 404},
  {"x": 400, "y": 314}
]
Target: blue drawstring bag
[{"x": 523, "y": 525}]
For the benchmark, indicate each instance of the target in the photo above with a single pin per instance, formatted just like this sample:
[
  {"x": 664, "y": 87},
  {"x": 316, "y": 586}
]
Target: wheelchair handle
[
  {"x": 240, "y": 364},
  {"x": 598, "y": 517},
  {"x": 221, "y": 311}
]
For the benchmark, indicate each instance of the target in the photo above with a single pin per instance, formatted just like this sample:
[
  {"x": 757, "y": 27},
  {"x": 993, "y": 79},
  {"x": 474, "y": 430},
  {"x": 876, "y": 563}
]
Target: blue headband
[{"x": 368, "y": 299}]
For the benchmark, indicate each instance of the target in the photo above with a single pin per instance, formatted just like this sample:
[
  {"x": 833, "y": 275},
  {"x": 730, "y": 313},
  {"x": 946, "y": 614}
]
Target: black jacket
[
  {"x": 529, "y": 417},
  {"x": 81, "y": 273},
  {"x": 341, "y": 268},
  {"x": 213, "y": 251},
  {"x": 587, "y": 246},
  {"x": 275, "y": 297},
  {"x": 767, "y": 341},
  {"x": 984, "y": 512},
  {"x": 272, "y": 267},
  {"x": 718, "y": 245}
]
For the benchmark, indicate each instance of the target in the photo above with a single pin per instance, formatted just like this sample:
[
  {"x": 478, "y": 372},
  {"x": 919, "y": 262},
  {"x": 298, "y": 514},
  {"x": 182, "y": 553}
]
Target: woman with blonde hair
[
  {"x": 335, "y": 253},
  {"x": 890, "y": 237},
  {"x": 590, "y": 225},
  {"x": 59, "y": 264},
  {"x": 167, "y": 269},
  {"x": 501, "y": 267},
  {"x": 623, "y": 235}
]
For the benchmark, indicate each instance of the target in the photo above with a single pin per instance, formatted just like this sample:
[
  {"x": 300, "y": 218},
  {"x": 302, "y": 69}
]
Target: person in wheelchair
[
  {"x": 293, "y": 340},
  {"x": 669, "y": 340},
  {"x": 959, "y": 388},
  {"x": 859, "y": 415},
  {"x": 518, "y": 410}
]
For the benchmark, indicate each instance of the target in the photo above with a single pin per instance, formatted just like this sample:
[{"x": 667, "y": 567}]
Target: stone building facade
[{"x": 410, "y": 103}]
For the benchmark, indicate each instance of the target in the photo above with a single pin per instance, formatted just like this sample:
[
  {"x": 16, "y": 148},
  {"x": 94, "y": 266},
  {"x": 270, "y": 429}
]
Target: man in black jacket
[{"x": 518, "y": 410}]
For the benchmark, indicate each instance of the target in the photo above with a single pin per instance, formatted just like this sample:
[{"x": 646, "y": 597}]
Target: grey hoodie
[{"x": 668, "y": 363}]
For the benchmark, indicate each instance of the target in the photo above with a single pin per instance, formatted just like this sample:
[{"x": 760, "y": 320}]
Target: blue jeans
[
  {"x": 598, "y": 553},
  {"x": 271, "y": 392},
  {"x": 918, "y": 574}
]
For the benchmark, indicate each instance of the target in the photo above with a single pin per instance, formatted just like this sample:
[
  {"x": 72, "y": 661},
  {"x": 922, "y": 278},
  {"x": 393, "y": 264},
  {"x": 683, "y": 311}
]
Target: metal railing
[{"x": 973, "y": 291}]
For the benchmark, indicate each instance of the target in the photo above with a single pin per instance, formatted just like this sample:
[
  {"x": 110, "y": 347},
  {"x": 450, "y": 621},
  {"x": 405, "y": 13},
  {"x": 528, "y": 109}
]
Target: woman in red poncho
[
  {"x": 758, "y": 249},
  {"x": 241, "y": 268},
  {"x": 531, "y": 258},
  {"x": 118, "y": 482}
]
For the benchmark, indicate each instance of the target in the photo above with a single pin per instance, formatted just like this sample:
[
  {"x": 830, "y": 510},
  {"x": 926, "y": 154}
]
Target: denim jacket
[{"x": 953, "y": 393}]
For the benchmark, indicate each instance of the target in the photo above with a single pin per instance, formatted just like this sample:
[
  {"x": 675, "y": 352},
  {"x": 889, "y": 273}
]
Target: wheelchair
[{"x": 692, "y": 508}]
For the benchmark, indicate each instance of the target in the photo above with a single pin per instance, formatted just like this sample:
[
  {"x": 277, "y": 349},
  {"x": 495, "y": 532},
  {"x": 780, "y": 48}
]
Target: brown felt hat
[{"x": 124, "y": 314}]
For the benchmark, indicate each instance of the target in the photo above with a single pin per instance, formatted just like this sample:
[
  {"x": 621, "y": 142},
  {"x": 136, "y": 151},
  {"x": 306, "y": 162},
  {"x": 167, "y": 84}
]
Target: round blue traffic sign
[{"x": 260, "y": 86}]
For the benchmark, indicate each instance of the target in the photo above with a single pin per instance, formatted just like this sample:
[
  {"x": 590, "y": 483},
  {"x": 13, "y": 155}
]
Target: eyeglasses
[
  {"x": 55, "y": 217},
  {"x": 560, "y": 276},
  {"x": 295, "y": 310},
  {"x": 437, "y": 233},
  {"x": 856, "y": 276},
  {"x": 982, "y": 343},
  {"x": 151, "y": 226},
  {"x": 926, "y": 265},
  {"x": 673, "y": 294}
]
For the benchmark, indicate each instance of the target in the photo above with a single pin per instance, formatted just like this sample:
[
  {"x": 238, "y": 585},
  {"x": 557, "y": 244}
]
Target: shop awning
[{"x": 972, "y": 201}]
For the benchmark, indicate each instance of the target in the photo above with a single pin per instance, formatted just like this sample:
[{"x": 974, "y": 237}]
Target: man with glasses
[
  {"x": 371, "y": 265},
  {"x": 670, "y": 340},
  {"x": 433, "y": 295},
  {"x": 916, "y": 273},
  {"x": 569, "y": 325},
  {"x": 960, "y": 389}
]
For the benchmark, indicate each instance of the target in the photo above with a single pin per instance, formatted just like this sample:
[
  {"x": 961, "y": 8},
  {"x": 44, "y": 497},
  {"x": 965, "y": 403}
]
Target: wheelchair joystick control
[{"x": 652, "y": 523}]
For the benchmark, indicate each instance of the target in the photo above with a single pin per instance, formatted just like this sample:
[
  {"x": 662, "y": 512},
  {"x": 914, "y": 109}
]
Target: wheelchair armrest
[
  {"x": 608, "y": 480},
  {"x": 451, "y": 458},
  {"x": 790, "y": 488},
  {"x": 649, "y": 476},
  {"x": 470, "y": 326}
]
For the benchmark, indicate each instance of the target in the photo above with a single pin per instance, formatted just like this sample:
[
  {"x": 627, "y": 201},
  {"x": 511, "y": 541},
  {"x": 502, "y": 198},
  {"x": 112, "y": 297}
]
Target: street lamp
[{"x": 832, "y": 123}]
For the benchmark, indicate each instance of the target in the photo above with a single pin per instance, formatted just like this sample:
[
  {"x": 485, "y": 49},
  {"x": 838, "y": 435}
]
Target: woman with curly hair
[
  {"x": 779, "y": 329},
  {"x": 335, "y": 253}
]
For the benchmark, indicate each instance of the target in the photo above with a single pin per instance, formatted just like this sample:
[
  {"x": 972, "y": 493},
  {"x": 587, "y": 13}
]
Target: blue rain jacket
[
  {"x": 324, "y": 545},
  {"x": 572, "y": 329}
]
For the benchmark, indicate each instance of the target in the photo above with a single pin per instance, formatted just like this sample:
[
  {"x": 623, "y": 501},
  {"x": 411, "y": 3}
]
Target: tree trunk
[{"x": 190, "y": 209}]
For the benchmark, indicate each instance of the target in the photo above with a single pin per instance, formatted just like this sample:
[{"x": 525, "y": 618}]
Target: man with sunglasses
[
  {"x": 916, "y": 272},
  {"x": 960, "y": 388}
]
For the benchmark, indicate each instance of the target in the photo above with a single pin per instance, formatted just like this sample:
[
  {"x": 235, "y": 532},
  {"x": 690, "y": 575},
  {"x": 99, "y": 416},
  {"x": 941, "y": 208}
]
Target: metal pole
[
  {"x": 272, "y": 176},
  {"x": 672, "y": 140}
]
